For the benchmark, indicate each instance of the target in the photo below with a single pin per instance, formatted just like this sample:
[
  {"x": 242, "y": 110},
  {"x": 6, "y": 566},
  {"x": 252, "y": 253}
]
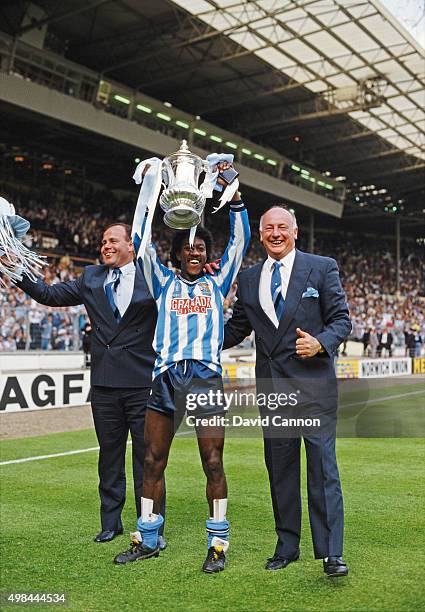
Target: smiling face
[
  {"x": 278, "y": 232},
  {"x": 117, "y": 248},
  {"x": 192, "y": 260}
]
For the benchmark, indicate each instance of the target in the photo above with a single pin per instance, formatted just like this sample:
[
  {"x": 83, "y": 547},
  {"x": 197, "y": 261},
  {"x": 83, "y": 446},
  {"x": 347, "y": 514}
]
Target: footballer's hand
[
  {"x": 307, "y": 345},
  {"x": 222, "y": 166},
  {"x": 145, "y": 169},
  {"x": 213, "y": 266}
]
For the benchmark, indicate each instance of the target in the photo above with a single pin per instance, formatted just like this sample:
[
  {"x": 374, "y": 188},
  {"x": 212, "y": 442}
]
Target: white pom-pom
[
  {"x": 15, "y": 258},
  {"x": 6, "y": 208}
]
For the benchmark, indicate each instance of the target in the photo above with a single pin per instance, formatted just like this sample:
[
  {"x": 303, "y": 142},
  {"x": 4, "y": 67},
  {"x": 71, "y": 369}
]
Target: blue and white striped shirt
[{"x": 190, "y": 314}]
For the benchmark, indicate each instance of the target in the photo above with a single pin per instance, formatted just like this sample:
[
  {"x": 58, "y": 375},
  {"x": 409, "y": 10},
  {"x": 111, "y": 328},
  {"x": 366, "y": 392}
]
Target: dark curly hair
[{"x": 180, "y": 238}]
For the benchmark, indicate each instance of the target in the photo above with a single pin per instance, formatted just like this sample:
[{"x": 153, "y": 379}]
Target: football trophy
[{"x": 183, "y": 197}]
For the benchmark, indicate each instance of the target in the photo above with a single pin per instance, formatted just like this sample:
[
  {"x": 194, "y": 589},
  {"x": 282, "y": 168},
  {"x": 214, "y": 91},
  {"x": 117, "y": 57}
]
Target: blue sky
[{"x": 411, "y": 13}]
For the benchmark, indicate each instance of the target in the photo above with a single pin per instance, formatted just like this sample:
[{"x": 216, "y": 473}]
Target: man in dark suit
[
  {"x": 123, "y": 318},
  {"x": 385, "y": 341},
  {"x": 296, "y": 306}
]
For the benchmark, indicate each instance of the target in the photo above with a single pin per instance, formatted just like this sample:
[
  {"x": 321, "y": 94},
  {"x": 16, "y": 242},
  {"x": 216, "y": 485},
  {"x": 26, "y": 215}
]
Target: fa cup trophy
[{"x": 182, "y": 199}]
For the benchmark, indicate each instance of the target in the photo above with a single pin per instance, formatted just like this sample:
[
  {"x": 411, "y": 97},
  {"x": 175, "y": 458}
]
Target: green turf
[{"x": 50, "y": 513}]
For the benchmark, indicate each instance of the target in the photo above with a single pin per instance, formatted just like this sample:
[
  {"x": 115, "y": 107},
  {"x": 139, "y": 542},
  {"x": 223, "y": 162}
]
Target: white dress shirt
[
  {"x": 125, "y": 289},
  {"x": 265, "y": 281}
]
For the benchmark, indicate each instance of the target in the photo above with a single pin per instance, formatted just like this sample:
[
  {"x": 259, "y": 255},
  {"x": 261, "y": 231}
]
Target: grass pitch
[{"x": 50, "y": 514}]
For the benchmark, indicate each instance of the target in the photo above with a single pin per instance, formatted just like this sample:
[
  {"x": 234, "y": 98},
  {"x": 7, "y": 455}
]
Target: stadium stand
[{"x": 367, "y": 271}]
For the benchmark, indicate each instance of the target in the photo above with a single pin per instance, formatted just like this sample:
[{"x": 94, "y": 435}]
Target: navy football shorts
[{"x": 188, "y": 385}]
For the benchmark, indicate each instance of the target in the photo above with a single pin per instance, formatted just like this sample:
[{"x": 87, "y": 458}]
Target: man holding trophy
[{"x": 189, "y": 333}]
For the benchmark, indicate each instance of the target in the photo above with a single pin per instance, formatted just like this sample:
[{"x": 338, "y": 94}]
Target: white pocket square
[{"x": 310, "y": 292}]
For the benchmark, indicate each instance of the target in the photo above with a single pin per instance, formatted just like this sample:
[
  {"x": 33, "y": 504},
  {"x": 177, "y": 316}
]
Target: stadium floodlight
[
  {"x": 306, "y": 172},
  {"x": 163, "y": 117},
  {"x": 121, "y": 99},
  {"x": 182, "y": 124},
  {"x": 216, "y": 138},
  {"x": 272, "y": 162},
  {"x": 321, "y": 183},
  {"x": 247, "y": 151},
  {"x": 295, "y": 167},
  {"x": 328, "y": 186},
  {"x": 232, "y": 145},
  {"x": 259, "y": 156},
  {"x": 143, "y": 108},
  {"x": 200, "y": 132}
]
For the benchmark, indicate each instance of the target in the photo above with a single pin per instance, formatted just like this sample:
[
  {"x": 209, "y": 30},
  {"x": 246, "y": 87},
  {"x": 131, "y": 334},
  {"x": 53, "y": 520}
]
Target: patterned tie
[
  {"x": 111, "y": 292},
  {"x": 276, "y": 290}
]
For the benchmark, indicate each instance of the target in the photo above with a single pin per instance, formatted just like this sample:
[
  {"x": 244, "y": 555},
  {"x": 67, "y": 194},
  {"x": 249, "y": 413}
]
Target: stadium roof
[
  {"x": 335, "y": 84},
  {"x": 353, "y": 53}
]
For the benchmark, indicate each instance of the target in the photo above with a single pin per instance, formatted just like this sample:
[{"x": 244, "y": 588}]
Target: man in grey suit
[
  {"x": 295, "y": 304},
  {"x": 123, "y": 319}
]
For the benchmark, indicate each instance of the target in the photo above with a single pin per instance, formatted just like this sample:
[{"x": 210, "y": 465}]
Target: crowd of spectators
[
  {"x": 382, "y": 318},
  {"x": 26, "y": 325},
  {"x": 61, "y": 223}
]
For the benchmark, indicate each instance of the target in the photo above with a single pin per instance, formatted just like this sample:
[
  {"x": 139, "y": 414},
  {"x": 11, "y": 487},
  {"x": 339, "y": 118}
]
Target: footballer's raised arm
[
  {"x": 155, "y": 273},
  {"x": 237, "y": 246}
]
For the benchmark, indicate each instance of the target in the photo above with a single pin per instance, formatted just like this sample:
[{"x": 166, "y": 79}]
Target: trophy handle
[{"x": 167, "y": 173}]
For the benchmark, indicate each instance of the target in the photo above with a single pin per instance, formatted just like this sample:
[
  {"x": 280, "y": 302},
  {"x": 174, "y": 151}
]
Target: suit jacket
[
  {"x": 389, "y": 338},
  {"x": 122, "y": 353},
  {"x": 323, "y": 313}
]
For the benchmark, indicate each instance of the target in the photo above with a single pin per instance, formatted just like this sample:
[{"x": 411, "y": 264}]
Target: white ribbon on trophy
[
  {"x": 183, "y": 199},
  {"x": 15, "y": 258},
  {"x": 213, "y": 159},
  {"x": 148, "y": 175}
]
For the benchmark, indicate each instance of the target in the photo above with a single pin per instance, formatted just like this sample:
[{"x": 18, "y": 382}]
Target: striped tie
[
  {"x": 111, "y": 292},
  {"x": 276, "y": 290}
]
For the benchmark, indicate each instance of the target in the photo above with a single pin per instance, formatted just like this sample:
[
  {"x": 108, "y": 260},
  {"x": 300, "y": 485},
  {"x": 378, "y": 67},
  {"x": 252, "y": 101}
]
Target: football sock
[
  {"x": 217, "y": 525},
  {"x": 148, "y": 524},
  {"x": 218, "y": 532},
  {"x": 149, "y": 529}
]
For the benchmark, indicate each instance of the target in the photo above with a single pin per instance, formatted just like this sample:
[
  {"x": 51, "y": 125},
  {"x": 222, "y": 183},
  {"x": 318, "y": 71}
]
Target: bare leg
[
  {"x": 159, "y": 434},
  {"x": 211, "y": 444}
]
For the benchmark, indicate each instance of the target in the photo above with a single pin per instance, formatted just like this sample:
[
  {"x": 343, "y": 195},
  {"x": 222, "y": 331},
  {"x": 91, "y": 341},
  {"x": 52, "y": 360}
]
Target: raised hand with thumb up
[{"x": 307, "y": 345}]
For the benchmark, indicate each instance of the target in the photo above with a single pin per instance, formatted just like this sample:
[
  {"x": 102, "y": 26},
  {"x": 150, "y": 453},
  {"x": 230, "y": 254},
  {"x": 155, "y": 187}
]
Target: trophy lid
[
  {"x": 184, "y": 149},
  {"x": 184, "y": 154}
]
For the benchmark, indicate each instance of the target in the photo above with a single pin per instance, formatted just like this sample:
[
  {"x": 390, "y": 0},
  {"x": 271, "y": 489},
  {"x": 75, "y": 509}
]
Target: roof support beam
[
  {"x": 404, "y": 169},
  {"x": 61, "y": 16},
  {"x": 193, "y": 67},
  {"x": 236, "y": 101},
  {"x": 359, "y": 160},
  {"x": 268, "y": 126},
  {"x": 207, "y": 35}
]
